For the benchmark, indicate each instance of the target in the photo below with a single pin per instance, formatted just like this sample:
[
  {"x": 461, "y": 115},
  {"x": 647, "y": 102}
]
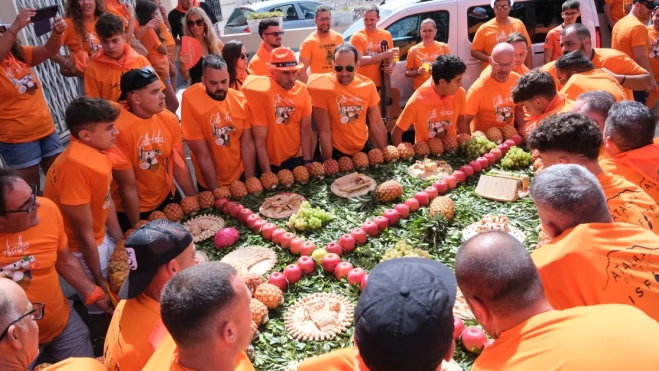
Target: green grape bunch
[
  {"x": 516, "y": 158},
  {"x": 307, "y": 218},
  {"x": 477, "y": 146},
  {"x": 403, "y": 250}
]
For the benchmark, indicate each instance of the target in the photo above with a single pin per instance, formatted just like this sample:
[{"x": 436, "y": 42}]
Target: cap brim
[
  {"x": 135, "y": 284},
  {"x": 291, "y": 68}
]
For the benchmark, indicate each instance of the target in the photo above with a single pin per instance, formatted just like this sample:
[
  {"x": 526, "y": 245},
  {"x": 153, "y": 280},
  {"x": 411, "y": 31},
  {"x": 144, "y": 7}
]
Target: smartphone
[{"x": 41, "y": 20}]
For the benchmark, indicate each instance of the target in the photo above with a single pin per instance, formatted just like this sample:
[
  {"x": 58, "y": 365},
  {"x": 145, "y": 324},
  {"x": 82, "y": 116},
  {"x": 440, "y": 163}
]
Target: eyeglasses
[
  {"x": 325, "y": 19},
  {"x": 502, "y": 7},
  {"x": 275, "y": 34},
  {"x": 36, "y": 312},
  {"x": 244, "y": 55},
  {"x": 507, "y": 65},
  {"x": 348, "y": 68},
  {"x": 198, "y": 23},
  {"x": 30, "y": 202},
  {"x": 570, "y": 14},
  {"x": 428, "y": 31}
]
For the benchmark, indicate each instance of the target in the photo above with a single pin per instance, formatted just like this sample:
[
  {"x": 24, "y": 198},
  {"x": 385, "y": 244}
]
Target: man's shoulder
[
  {"x": 605, "y": 53},
  {"x": 256, "y": 83},
  {"x": 193, "y": 91},
  {"x": 320, "y": 81}
]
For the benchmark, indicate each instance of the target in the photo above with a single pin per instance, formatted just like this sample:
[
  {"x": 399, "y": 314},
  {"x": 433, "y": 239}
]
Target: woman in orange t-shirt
[
  {"x": 27, "y": 133},
  {"x": 235, "y": 54},
  {"x": 196, "y": 24},
  {"x": 421, "y": 56}
]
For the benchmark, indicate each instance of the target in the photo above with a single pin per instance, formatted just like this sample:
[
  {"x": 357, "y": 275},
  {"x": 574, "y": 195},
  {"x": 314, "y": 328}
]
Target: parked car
[
  {"x": 297, "y": 14},
  {"x": 457, "y": 27}
]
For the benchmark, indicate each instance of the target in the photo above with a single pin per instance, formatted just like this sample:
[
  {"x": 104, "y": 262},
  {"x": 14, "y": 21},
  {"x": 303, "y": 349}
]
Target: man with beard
[
  {"x": 317, "y": 50},
  {"x": 368, "y": 42},
  {"x": 216, "y": 127},
  {"x": 341, "y": 102},
  {"x": 577, "y": 75},
  {"x": 270, "y": 33}
]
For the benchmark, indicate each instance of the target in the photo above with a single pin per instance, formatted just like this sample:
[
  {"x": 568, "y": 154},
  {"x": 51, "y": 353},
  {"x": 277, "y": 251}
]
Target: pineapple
[
  {"x": 285, "y": 177},
  {"x": 157, "y": 215},
  {"x": 222, "y": 192},
  {"x": 238, "y": 189},
  {"x": 507, "y": 131},
  {"x": 442, "y": 205},
  {"x": 331, "y": 167},
  {"x": 450, "y": 144},
  {"x": 389, "y": 191},
  {"x": 421, "y": 149},
  {"x": 206, "y": 199},
  {"x": 345, "y": 164},
  {"x": 301, "y": 175},
  {"x": 391, "y": 154},
  {"x": 462, "y": 139},
  {"x": 525, "y": 132},
  {"x": 375, "y": 157},
  {"x": 406, "y": 151},
  {"x": 253, "y": 186},
  {"x": 316, "y": 170},
  {"x": 478, "y": 133},
  {"x": 259, "y": 312},
  {"x": 174, "y": 212},
  {"x": 269, "y": 180},
  {"x": 190, "y": 205},
  {"x": 436, "y": 146},
  {"x": 494, "y": 135},
  {"x": 269, "y": 294},
  {"x": 253, "y": 280},
  {"x": 140, "y": 223},
  {"x": 360, "y": 159}
]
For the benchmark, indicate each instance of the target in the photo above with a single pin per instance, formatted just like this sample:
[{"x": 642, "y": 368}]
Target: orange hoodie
[{"x": 103, "y": 74}]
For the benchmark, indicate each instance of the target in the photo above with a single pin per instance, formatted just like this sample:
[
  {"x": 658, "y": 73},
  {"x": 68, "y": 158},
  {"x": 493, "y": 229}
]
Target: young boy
[
  {"x": 104, "y": 71},
  {"x": 570, "y": 11},
  {"x": 79, "y": 183}
]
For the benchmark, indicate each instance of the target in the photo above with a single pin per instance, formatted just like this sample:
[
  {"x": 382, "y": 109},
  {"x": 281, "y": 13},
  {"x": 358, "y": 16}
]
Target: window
[
  {"x": 478, "y": 15},
  {"x": 405, "y": 32},
  {"x": 238, "y": 17},
  {"x": 308, "y": 10},
  {"x": 289, "y": 12},
  {"x": 547, "y": 16}
]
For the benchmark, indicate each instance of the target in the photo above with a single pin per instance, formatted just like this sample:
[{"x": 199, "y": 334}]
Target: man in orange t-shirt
[
  {"x": 518, "y": 41},
  {"x": 576, "y": 75},
  {"x": 32, "y": 230},
  {"x": 489, "y": 100},
  {"x": 570, "y": 11},
  {"x": 280, "y": 113},
  {"x": 403, "y": 320},
  {"x": 79, "y": 184},
  {"x": 157, "y": 252},
  {"x": 437, "y": 108},
  {"x": 615, "y": 10},
  {"x": 151, "y": 148},
  {"x": 271, "y": 34},
  {"x": 317, "y": 49},
  {"x": 596, "y": 105},
  {"x": 496, "y": 31},
  {"x": 572, "y": 138},
  {"x": 213, "y": 332},
  {"x": 590, "y": 259},
  {"x": 216, "y": 127},
  {"x": 342, "y": 101},
  {"x": 628, "y": 135},
  {"x": 369, "y": 44},
  {"x": 530, "y": 334}
]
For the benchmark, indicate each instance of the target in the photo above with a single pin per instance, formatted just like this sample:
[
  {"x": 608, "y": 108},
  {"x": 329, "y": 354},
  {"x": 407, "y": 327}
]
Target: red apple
[
  {"x": 392, "y": 215},
  {"x": 296, "y": 245},
  {"x": 330, "y": 261},
  {"x": 219, "y": 203},
  {"x": 277, "y": 235},
  {"x": 510, "y": 143},
  {"x": 306, "y": 264},
  {"x": 228, "y": 206},
  {"x": 356, "y": 276},
  {"x": 243, "y": 215},
  {"x": 286, "y": 240},
  {"x": 403, "y": 210},
  {"x": 473, "y": 339},
  {"x": 293, "y": 273},
  {"x": 460, "y": 176},
  {"x": 483, "y": 162},
  {"x": 359, "y": 235},
  {"x": 451, "y": 180},
  {"x": 517, "y": 139},
  {"x": 458, "y": 327},
  {"x": 347, "y": 242},
  {"x": 278, "y": 279},
  {"x": 370, "y": 228},
  {"x": 423, "y": 198},
  {"x": 307, "y": 248},
  {"x": 413, "y": 204},
  {"x": 468, "y": 170},
  {"x": 441, "y": 187},
  {"x": 258, "y": 225},
  {"x": 363, "y": 283},
  {"x": 342, "y": 270},
  {"x": 334, "y": 248},
  {"x": 432, "y": 192},
  {"x": 382, "y": 222},
  {"x": 236, "y": 210},
  {"x": 267, "y": 230},
  {"x": 476, "y": 166},
  {"x": 490, "y": 158},
  {"x": 497, "y": 153},
  {"x": 251, "y": 220},
  {"x": 503, "y": 147}
]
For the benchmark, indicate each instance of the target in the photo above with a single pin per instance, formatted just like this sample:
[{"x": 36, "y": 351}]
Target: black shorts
[
  {"x": 202, "y": 188},
  {"x": 124, "y": 223},
  {"x": 289, "y": 164},
  {"x": 336, "y": 154}
]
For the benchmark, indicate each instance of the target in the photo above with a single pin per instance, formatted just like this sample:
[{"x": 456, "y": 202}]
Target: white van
[{"x": 457, "y": 28}]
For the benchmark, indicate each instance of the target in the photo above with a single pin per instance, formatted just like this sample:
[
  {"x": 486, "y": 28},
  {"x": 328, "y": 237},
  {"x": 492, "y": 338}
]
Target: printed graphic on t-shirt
[
  {"x": 428, "y": 57},
  {"x": 373, "y": 48},
  {"x": 502, "y": 36},
  {"x": 654, "y": 48},
  {"x": 222, "y": 134},
  {"x": 633, "y": 267},
  {"x": 329, "y": 56},
  {"x": 283, "y": 109},
  {"x": 20, "y": 271},
  {"x": 149, "y": 152},
  {"x": 503, "y": 108},
  {"x": 108, "y": 199},
  {"x": 21, "y": 77},
  {"x": 94, "y": 43},
  {"x": 438, "y": 122},
  {"x": 349, "y": 108}
]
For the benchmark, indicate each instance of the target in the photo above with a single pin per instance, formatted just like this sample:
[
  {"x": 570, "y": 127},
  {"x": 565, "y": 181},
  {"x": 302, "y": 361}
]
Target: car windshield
[
  {"x": 238, "y": 17},
  {"x": 359, "y": 24}
]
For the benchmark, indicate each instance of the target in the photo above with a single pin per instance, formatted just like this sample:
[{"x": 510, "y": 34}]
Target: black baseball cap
[
  {"x": 136, "y": 79},
  {"x": 152, "y": 245},
  {"x": 649, "y": 3},
  {"x": 404, "y": 316}
]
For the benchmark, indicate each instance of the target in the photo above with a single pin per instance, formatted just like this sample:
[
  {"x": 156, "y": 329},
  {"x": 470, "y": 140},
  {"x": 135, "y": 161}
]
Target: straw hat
[{"x": 283, "y": 59}]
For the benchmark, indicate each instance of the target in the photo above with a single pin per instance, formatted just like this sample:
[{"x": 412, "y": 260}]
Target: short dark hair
[
  {"x": 447, "y": 67},
  {"x": 568, "y": 132},
  {"x": 535, "y": 83},
  {"x": 109, "y": 25},
  {"x": 575, "y": 61},
  {"x": 191, "y": 300},
  {"x": 630, "y": 125},
  {"x": 571, "y": 4},
  {"x": 213, "y": 61},
  {"x": 264, "y": 24},
  {"x": 598, "y": 101},
  {"x": 515, "y": 37},
  {"x": 582, "y": 31},
  {"x": 346, "y": 48},
  {"x": 83, "y": 112},
  {"x": 322, "y": 8},
  {"x": 7, "y": 177},
  {"x": 372, "y": 8}
]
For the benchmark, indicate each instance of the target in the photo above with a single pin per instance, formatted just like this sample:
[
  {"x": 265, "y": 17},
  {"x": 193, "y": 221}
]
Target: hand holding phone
[{"x": 24, "y": 18}]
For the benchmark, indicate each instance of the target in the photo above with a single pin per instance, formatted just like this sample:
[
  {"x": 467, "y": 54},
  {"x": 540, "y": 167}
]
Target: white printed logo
[{"x": 132, "y": 261}]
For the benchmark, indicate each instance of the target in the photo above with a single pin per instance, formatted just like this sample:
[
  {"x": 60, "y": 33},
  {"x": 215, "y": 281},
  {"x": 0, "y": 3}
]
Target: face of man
[
  {"x": 570, "y": 42},
  {"x": 186, "y": 259},
  {"x": 151, "y": 99},
  {"x": 101, "y": 135},
  {"x": 453, "y": 85},
  {"x": 371, "y": 21},
  {"x": 113, "y": 47},
  {"x": 644, "y": 11},
  {"x": 501, "y": 8},
  {"x": 323, "y": 22},
  {"x": 535, "y": 106},
  {"x": 570, "y": 16},
  {"x": 21, "y": 207},
  {"x": 216, "y": 82},
  {"x": 285, "y": 79},
  {"x": 185, "y": 4},
  {"x": 502, "y": 65},
  {"x": 563, "y": 77},
  {"x": 582, "y": 107},
  {"x": 345, "y": 61},
  {"x": 272, "y": 36},
  {"x": 520, "y": 53},
  {"x": 24, "y": 336},
  {"x": 241, "y": 314}
]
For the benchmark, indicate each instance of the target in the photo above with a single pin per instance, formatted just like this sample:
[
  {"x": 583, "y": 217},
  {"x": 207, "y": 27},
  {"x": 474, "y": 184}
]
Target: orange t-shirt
[
  {"x": 281, "y": 111},
  {"x": 115, "y": 7},
  {"x": 576, "y": 339},
  {"x": 166, "y": 358},
  {"x": 639, "y": 166},
  {"x": 628, "y": 203},
  {"x": 258, "y": 62},
  {"x": 81, "y": 175},
  {"x": 559, "y": 104},
  {"x": 160, "y": 62},
  {"x": 127, "y": 345},
  {"x": 221, "y": 125},
  {"x": 77, "y": 364},
  {"x": 368, "y": 43},
  {"x": 553, "y": 42},
  {"x": 593, "y": 80},
  {"x": 618, "y": 63},
  {"x": 431, "y": 114},
  {"x": 29, "y": 259},
  {"x": 338, "y": 360},
  {"x": 347, "y": 107},
  {"x": 628, "y": 33},
  {"x": 617, "y": 9},
  {"x": 420, "y": 54},
  {"x": 550, "y": 68},
  {"x": 146, "y": 145},
  {"x": 76, "y": 42},
  {"x": 491, "y": 103},
  {"x": 653, "y": 53},
  {"x": 321, "y": 51},
  {"x": 601, "y": 263},
  {"x": 170, "y": 43},
  {"x": 491, "y": 33},
  {"x": 25, "y": 116}
]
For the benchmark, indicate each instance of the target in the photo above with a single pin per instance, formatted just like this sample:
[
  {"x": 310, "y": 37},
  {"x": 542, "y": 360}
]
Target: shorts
[
  {"x": 105, "y": 250},
  {"x": 640, "y": 96},
  {"x": 336, "y": 154},
  {"x": 24, "y": 155},
  {"x": 74, "y": 341},
  {"x": 124, "y": 223},
  {"x": 289, "y": 164}
]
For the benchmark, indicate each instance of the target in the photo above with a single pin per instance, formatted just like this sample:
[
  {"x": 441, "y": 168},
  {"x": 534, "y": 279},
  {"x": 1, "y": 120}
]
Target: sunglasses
[
  {"x": 348, "y": 68},
  {"x": 244, "y": 55},
  {"x": 502, "y": 7},
  {"x": 30, "y": 202},
  {"x": 275, "y": 34},
  {"x": 198, "y": 23}
]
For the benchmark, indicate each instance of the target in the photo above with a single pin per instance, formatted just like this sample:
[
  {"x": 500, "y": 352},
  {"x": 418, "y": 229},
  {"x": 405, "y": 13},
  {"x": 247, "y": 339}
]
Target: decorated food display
[
  {"x": 203, "y": 227},
  {"x": 251, "y": 259},
  {"x": 430, "y": 169},
  {"x": 319, "y": 317},
  {"x": 492, "y": 223},
  {"x": 281, "y": 206},
  {"x": 353, "y": 185}
]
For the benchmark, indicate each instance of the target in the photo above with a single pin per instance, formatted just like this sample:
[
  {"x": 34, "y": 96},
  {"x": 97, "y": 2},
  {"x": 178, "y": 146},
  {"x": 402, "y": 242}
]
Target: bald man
[
  {"x": 501, "y": 284},
  {"x": 590, "y": 259},
  {"x": 519, "y": 42},
  {"x": 596, "y": 105},
  {"x": 489, "y": 100},
  {"x": 572, "y": 138},
  {"x": 628, "y": 134}
]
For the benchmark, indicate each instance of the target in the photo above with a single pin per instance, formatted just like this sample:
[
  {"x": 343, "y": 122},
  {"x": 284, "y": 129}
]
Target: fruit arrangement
[
  {"x": 403, "y": 250},
  {"x": 308, "y": 217},
  {"x": 516, "y": 158},
  {"x": 477, "y": 146}
]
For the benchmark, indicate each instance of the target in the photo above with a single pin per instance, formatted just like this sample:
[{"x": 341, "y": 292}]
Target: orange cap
[{"x": 284, "y": 59}]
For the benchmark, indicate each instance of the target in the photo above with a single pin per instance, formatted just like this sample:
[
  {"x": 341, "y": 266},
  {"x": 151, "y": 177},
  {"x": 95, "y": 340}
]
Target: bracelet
[
  {"x": 95, "y": 296},
  {"x": 624, "y": 77}
]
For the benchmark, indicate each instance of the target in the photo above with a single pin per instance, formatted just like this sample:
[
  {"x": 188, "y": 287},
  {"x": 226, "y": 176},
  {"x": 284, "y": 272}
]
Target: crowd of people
[{"x": 589, "y": 113}]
